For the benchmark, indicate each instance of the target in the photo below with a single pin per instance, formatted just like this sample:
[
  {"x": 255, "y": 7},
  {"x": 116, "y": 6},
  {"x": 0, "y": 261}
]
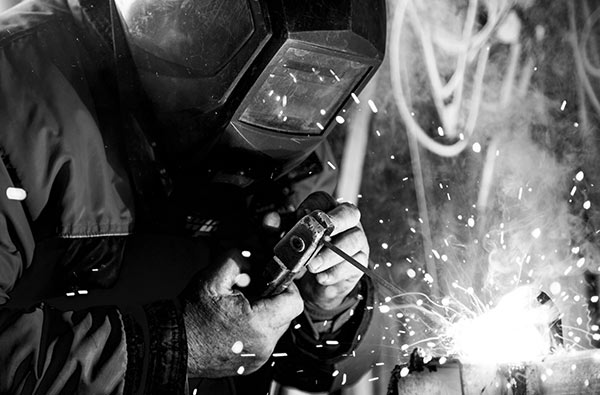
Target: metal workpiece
[{"x": 575, "y": 372}]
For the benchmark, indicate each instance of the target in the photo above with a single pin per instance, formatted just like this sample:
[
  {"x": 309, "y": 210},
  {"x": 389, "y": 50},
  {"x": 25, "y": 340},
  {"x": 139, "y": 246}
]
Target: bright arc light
[{"x": 515, "y": 331}]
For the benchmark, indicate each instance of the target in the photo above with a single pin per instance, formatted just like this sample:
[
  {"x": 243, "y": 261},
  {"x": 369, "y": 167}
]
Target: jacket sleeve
[
  {"x": 99, "y": 350},
  {"x": 102, "y": 350},
  {"x": 44, "y": 350}
]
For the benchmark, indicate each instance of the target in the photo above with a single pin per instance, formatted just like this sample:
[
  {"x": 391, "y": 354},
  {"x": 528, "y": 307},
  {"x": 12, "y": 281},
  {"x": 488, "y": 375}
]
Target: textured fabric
[
  {"x": 327, "y": 361},
  {"x": 45, "y": 351},
  {"x": 61, "y": 143}
]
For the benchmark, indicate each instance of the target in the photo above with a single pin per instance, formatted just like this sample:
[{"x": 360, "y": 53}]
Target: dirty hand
[
  {"x": 227, "y": 334},
  {"x": 330, "y": 278}
]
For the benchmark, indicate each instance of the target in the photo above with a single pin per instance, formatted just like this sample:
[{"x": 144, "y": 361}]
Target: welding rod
[{"x": 368, "y": 272}]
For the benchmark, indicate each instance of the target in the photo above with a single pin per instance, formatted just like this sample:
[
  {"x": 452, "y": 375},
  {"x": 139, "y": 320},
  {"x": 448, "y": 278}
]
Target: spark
[
  {"x": 334, "y": 75},
  {"x": 555, "y": 288},
  {"x": 237, "y": 347},
  {"x": 18, "y": 194},
  {"x": 372, "y": 106},
  {"x": 568, "y": 270}
]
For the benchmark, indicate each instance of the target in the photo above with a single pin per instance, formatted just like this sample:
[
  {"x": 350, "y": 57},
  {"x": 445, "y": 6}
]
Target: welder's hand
[
  {"x": 331, "y": 278},
  {"x": 227, "y": 334}
]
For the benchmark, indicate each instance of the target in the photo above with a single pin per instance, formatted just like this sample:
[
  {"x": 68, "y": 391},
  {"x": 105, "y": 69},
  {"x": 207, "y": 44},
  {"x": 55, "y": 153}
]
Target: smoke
[{"x": 518, "y": 205}]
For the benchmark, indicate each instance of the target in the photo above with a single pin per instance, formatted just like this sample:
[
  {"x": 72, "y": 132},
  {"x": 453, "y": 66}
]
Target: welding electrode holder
[{"x": 291, "y": 255}]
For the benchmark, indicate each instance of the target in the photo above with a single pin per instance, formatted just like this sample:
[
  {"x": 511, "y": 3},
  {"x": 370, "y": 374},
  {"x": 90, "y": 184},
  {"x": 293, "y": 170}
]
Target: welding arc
[{"x": 368, "y": 272}]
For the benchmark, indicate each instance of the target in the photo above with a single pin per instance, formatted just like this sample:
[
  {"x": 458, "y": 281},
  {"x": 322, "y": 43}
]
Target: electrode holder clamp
[{"x": 293, "y": 252}]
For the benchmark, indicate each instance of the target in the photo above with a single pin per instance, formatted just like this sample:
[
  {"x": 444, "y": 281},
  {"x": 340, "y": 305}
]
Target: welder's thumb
[{"x": 229, "y": 274}]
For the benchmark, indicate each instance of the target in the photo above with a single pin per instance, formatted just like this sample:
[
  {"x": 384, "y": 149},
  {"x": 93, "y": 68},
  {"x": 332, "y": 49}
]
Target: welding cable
[
  {"x": 586, "y": 34},
  {"x": 586, "y": 85},
  {"x": 453, "y": 90},
  {"x": 487, "y": 178},
  {"x": 399, "y": 91},
  {"x": 583, "y": 64}
]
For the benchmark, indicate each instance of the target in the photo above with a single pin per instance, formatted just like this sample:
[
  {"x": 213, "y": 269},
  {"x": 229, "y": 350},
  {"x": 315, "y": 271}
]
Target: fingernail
[
  {"x": 322, "y": 278},
  {"x": 242, "y": 280},
  {"x": 314, "y": 264}
]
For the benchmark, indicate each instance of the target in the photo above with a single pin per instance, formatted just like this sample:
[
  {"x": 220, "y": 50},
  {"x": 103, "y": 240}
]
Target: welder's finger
[
  {"x": 344, "y": 217},
  {"x": 226, "y": 275},
  {"x": 343, "y": 272},
  {"x": 281, "y": 309},
  {"x": 351, "y": 242}
]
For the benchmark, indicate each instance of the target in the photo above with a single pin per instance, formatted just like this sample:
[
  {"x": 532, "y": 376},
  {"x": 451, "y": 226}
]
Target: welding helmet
[{"x": 264, "y": 78}]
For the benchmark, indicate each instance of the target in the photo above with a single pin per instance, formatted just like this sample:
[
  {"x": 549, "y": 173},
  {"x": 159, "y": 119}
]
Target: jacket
[{"x": 86, "y": 305}]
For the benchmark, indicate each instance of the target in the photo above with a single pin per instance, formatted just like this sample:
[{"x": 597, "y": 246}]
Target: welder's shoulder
[{"x": 31, "y": 18}]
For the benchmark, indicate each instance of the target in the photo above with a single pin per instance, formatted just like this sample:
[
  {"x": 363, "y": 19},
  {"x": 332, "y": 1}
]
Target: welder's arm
[{"x": 100, "y": 350}]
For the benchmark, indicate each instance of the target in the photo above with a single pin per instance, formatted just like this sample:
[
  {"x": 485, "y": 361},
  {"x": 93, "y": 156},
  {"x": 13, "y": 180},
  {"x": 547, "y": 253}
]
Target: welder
[{"x": 153, "y": 152}]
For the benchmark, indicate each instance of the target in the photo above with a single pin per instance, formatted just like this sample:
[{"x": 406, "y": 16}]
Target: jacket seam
[
  {"x": 92, "y": 235},
  {"x": 30, "y": 31}
]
